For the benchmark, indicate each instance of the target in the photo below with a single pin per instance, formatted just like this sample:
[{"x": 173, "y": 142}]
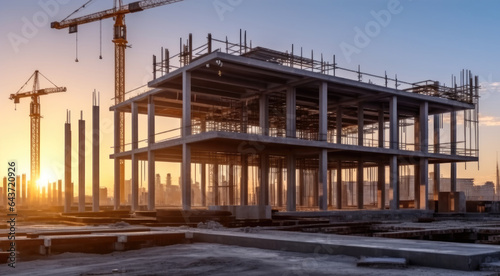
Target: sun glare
[{"x": 44, "y": 180}]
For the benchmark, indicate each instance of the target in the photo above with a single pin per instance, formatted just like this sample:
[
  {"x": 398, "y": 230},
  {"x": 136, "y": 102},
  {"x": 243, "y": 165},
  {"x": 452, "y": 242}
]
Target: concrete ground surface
[{"x": 209, "y": 259}]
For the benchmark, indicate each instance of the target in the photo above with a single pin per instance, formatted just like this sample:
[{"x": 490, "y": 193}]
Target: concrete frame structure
[{"x": 248, "y": 111}]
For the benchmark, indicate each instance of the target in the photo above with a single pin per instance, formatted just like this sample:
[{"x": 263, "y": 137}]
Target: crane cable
[
  {"x": 100, "y": 39},
  {"x": 77, "y": 10},
  {"x": 76, "y": 36}
]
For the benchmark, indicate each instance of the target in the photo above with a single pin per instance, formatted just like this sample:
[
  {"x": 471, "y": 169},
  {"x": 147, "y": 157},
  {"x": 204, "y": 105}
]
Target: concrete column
[
  {"x": 323, "y": 112},
  {"x": 215, "y": 183},
  {"x": 134, "y": 204},
  {"x": 322, "y": 180},
  {"x": 330, "y": 187},
  {"x": 17, "y": 190},
  {"x": 424, "y": 127},
  {"x": 264, "y": 180},
  {"x": 54, "y": 193},
  {"x": 394, "y": 182},
  {"x": 59, "y": 192},
  {"x": 186, "y": 103},
  {"x": 291, "y": 115},
  {"x": 437, "y": 169},
  {"x": 203, "y": 188},
  {"x": 301, "y": 187},
  {"x": 186, "y": 176},
  {"x": 393, "y": 121},
  {"x": 4, "y": 192},
  {"x": 381, "y": 186},
  {"x": 381, "y": 125},
  {"x": 339, "y": 124},
  {"x": 44, "y": 199},
  {"x": 361, "y": 124},
  {"x": 424, "y": 162},
  {"x": 23, "y": 189},
  {"x": 135, "y": 125},
  {"x": 244, "y": 119},
  {"x": 291, "y": 195},
  {"x": 151, "y": 180},
  {"x": 244, "y": 180},
  {"x": 279, "y": 184},
  {"x": 151, "y": 155},
  {"x": 95, "y": 156},
  {"x": 68, "y": 186},
  {"x": 360, "y": 183},
  {"x": 81, "y": 164},
  {"x": 424, "y": 183},
  {"x": 49, "y": 194},
  {"x": 394, "y": 144},
  {"x": 264, "y": 114},
  {"x": 231, "y": 184},
  {"x": 117, "y": 192},
  {"x": 453, "y": 138},
  {"x": 417, "y": 175},
  {"x": 316, "y": 188},
  {"x": 339, "y": 184}
]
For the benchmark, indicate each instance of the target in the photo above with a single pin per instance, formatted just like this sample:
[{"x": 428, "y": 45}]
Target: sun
[{"x": 43, "y": 180}]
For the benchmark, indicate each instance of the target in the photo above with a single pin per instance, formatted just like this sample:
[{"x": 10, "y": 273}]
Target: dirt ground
[{"x": 209, "y": 259}]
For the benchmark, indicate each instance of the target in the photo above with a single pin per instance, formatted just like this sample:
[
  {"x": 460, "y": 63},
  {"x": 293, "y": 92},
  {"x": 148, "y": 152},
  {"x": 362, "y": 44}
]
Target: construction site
[{"x": 282, "y": 154}]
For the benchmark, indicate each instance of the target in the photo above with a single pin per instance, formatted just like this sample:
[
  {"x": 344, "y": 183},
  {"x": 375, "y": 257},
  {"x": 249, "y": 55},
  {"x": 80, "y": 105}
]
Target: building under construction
[{"x": 263, "y": 127}]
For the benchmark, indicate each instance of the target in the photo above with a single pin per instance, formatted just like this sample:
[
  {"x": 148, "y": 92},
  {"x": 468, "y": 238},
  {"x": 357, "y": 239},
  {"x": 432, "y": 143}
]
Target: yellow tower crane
[
  {"x": 120, "y": 40},
  {"x": 35, "y": 116}
]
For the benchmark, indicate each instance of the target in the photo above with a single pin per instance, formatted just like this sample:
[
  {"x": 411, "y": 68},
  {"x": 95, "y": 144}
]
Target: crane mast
[
  {"x": 35, "y": 117},
  {"x": 120, "y": 42}
]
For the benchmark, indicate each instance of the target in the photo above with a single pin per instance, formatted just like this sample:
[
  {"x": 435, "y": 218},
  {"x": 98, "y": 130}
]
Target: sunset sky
[{"x": 421, "y": 40}]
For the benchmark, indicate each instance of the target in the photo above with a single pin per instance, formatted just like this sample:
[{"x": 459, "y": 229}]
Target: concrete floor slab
[{"x": 447, "y": 255}]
